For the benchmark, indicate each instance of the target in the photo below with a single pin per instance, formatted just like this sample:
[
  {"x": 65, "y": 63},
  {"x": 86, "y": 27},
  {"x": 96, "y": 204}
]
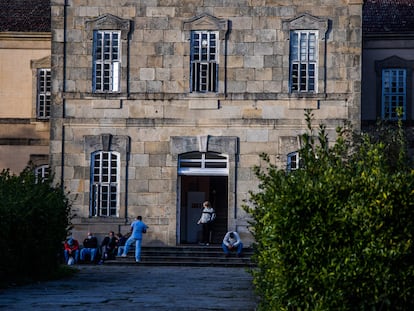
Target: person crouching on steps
[
  {"x": 232, "y": 242},
  {"x": 138, "y": 227}
]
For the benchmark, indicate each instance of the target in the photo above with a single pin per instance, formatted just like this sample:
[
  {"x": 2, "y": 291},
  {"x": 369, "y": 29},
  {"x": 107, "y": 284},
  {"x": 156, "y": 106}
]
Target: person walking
[
  {"x": 138, "y": 227},
  {"x": 207, "y": 217}
]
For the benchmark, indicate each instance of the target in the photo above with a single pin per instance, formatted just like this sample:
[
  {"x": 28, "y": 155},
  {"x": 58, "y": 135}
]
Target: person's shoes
[
  {"x": 100, "y": 262},
  {"x": 123, "y": 255},
  {"x": 239, "y": 255},
  {"x": 227, "y": 255},
  {"x": 137, "y": 261},
  {"x": 207, "y": 244}
]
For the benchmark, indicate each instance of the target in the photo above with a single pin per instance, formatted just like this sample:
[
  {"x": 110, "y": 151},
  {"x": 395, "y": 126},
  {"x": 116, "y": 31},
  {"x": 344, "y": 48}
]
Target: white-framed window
[
  {"x": 41, "y": 173},
  {"x": 303, "y": 61},
  {"x": 105, "y": 168},
  {"x": 203, "y": 163},
  {"x": 204, "y": 61},
  {"x": 293, "y": 161},
  {"x": 106, "y": 61},
  {"x": 43, "y": 93},
  {"x": 394, "y": 93}
]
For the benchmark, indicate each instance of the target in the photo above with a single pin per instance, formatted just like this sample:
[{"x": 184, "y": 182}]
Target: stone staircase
[{"x": 189, "y": 255}]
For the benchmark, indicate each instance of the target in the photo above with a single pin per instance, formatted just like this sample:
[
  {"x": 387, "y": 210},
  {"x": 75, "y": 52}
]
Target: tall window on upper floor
[
  {"x": 303, "y": 61},
  {"x": 106, "y": 61},
  {"x": 204, "y": 61},
  {"x": 105, "y": 168},
  {"x": 394, "y": 93},
  {"x": 43, "y": 93}
]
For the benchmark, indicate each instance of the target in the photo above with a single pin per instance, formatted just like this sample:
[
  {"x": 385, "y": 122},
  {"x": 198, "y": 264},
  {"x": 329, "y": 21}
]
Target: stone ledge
[{"x": 203, "y": 104}]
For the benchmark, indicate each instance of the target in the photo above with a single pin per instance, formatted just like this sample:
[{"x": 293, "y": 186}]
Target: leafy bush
[
  {"x": 34, "y": 222},
  {"x": 336, "y": 234}
]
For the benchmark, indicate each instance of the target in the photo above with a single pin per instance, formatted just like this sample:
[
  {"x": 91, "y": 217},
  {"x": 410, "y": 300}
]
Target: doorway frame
[{"x": 228, "y": 145}]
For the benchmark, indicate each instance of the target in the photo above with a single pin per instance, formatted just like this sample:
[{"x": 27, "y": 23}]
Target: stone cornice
[{"x": 25, "y": 36}]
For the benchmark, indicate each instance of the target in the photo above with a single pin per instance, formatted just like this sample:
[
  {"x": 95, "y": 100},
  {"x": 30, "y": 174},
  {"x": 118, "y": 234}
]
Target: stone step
[{"x": 211, "y": 255}]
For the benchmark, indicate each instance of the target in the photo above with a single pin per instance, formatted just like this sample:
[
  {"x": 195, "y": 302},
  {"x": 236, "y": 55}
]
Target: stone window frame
[
  {"x": 395, "y": 62},
  {"x": 41, "y": 172},
  {"x": 113, "y": 63},
  {"x": 310, "y": 61},
  {"x": 100, "y": 181},
  {"x": 293, "y": 157},
  {"x": 44, "y": 63},
  {"x": 211, "y": 63},
  {"x": 108, "y": 142},
  {"x": 210, "y": 23},
  {"x": 109, "y": 22},
  {"x": 307, "y": 22}
]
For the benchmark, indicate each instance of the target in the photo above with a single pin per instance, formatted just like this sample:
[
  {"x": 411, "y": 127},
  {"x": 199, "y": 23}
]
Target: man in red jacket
[{"x": 71, "y": 250}]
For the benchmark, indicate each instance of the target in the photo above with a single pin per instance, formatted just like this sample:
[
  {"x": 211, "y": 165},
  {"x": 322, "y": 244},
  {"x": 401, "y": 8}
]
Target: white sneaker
[{"x": 123, "y": 255}]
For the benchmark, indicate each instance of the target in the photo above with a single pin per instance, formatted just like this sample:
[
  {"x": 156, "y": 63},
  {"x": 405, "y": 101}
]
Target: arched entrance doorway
[{"x": 202, "y": 176}]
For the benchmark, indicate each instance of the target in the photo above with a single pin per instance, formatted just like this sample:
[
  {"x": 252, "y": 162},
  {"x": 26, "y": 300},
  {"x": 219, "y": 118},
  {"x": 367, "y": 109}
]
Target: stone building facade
[{"x": 160, "y": 105}]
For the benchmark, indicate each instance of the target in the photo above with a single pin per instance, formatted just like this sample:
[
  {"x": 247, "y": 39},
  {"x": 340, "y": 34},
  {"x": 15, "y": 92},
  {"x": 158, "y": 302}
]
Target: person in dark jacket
[
  {"x": 121, "y": 242},
  {"x": 90, "y": 248},
  {"x": 108, "y": 247}
]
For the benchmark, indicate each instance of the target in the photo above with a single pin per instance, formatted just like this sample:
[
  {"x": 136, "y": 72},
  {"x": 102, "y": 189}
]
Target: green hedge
[
  {"x": 338, "y": 233},
  {"x": 34, "y": 222}
]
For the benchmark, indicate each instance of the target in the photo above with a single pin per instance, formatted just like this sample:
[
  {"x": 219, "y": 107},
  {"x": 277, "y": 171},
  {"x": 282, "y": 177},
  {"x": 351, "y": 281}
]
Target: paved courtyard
[{"x": 138, "y": 288}]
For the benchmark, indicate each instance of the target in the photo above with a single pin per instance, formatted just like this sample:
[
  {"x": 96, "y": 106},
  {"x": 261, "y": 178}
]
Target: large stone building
[
  {"x": 25, "y": 85},
  {"x": 160, "y": 105}
]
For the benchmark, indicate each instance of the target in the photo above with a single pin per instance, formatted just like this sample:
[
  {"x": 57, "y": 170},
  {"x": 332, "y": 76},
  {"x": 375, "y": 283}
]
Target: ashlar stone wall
[{"x": 254, "y": 107}]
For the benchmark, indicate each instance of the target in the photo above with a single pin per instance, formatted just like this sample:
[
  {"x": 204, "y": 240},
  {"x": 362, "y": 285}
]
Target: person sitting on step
[{"x": 232, "y": 242}]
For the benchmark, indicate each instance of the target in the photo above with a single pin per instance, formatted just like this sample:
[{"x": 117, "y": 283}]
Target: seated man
[
  {"x": 108, "y": 247},
  {"x": 90, "y": 247},
  {"x": 71, "y": 249},
  {"x": 121, "y": 242},
  {"x": 232, "y": 242}
]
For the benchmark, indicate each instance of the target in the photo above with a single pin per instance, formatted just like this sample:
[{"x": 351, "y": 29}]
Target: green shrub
[
  {"x": 34, "y": 222},
  {"x": 336, "y": 234}
]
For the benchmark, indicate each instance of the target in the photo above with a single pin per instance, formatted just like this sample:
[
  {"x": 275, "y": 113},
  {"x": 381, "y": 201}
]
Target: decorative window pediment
[
  {"x": 108, "y": 22},
  {"x": 44, "y": 62},
  {"x": 206, "y": 22},
  {"x": 307, "y": 22},
  {"x": 393, "y": 62}
]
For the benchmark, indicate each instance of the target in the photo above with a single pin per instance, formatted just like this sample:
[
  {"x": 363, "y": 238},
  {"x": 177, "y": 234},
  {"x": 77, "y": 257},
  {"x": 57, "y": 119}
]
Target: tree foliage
[
  {"x": 336, "y": 234},
  {"x": 34, "y": 219}
]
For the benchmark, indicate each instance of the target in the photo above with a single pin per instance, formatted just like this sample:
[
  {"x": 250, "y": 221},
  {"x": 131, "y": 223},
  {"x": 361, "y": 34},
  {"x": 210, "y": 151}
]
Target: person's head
[
  {"x": 70, "y": 241},
  {"x": 119, "y": 235},
  {"x": 111, "y": 234},
  {"x": 90, "y": 234},
  {"x": 206, "y": 204},
  {"x": 139, "y": 217},
  {"x": 232, "y": 235}
]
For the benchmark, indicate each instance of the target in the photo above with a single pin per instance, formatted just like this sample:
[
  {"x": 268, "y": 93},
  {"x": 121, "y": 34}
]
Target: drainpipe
[{"x": 62, "y": 154}]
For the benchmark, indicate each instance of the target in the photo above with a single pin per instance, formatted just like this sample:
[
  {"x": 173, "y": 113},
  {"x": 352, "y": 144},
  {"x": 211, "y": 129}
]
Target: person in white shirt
[
  {"x": 207, "y": 218},
  {"x": 232, "y": 242}
]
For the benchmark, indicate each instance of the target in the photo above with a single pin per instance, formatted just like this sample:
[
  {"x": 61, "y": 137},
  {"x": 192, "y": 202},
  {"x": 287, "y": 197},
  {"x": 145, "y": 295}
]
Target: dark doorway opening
[{"x": 194, "y": 191}]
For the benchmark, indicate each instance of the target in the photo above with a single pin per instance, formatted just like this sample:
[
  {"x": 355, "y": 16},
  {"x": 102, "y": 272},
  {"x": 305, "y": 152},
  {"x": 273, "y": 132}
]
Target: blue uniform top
[{"x": 138, "y": 227}]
